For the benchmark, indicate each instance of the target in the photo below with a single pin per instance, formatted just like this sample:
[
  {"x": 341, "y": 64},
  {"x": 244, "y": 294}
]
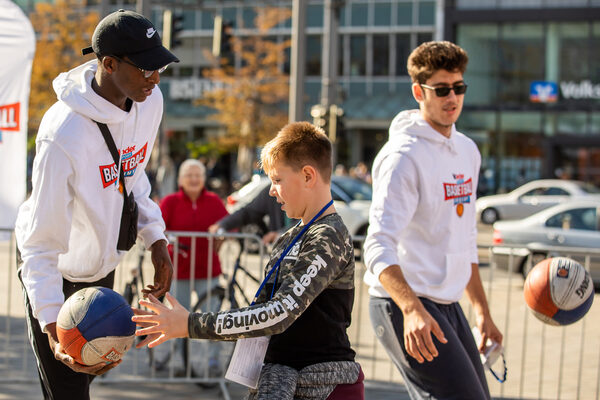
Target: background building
[
  {"x": 375, "y": 38},
  {"x": 534, "y": 76},
  {"x": 534, "y": 86}
]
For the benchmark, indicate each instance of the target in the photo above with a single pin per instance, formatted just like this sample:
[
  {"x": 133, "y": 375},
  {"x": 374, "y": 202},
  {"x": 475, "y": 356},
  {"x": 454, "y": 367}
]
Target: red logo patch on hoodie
[
  {"x": 129, "y": 163},
  {"x": 459, "y": 192}
]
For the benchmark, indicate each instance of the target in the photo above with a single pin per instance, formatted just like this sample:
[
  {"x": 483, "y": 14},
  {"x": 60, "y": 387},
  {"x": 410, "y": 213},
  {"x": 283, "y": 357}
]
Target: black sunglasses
[
  {"x": 444, "y": 91},
  {"x": 147, "y": 73}
]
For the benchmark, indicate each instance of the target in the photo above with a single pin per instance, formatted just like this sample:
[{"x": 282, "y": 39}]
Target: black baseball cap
[{"x": 127, "y": 33}]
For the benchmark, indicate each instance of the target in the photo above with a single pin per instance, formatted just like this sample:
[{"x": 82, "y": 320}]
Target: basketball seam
[{"x": 570, "y": 289}]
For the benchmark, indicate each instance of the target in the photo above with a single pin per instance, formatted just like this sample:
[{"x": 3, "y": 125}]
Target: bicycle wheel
[
  {"x": 207, "y": 358},
  {"x": 237, "y": 283}
]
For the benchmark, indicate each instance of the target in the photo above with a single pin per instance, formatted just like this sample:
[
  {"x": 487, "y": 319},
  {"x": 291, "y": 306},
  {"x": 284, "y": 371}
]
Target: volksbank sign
[
  {"x": 580, "y": 90},
  {"x": 547, "y": 91}
]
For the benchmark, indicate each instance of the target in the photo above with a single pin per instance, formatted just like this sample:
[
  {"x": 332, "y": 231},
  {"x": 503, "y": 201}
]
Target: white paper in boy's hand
[
  {"x": 492, "y": 351},
  {"x": 247, "y": 361}
]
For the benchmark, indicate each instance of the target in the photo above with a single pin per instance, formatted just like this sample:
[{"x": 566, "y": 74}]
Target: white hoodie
[
  {"x": 70, "y": 224},
  {"x": 422, "y": 216}
]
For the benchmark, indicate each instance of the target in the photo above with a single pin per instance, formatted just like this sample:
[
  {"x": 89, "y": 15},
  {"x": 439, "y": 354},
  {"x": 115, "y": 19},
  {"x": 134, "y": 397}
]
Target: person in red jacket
[{"x": 194, "y": 208}]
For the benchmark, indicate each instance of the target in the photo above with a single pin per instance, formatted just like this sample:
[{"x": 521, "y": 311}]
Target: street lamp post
[
  {"x": 329, "y": 60},
  {"x": 297, "y": 62}
]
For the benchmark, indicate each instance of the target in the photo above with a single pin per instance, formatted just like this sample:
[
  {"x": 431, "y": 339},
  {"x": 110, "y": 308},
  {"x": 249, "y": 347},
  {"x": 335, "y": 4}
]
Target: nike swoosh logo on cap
[{"x": 150, "y": 32}]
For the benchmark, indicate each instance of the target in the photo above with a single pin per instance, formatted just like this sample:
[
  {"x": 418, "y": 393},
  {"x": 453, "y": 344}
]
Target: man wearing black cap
[{"x": 90, "y": 198}]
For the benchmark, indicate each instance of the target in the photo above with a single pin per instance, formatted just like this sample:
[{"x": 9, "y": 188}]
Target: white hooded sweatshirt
[
  {"x": 422, "y": 216},
  {"x": 69, "y": 226}
]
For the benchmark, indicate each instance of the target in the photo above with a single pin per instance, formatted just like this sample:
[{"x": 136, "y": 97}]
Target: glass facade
[
  {"x": 533, "y": 75},
  {"x": 533, "y": 89},
  {"x": 375, "y": 38},
  {"x": 516, "y": 4}
]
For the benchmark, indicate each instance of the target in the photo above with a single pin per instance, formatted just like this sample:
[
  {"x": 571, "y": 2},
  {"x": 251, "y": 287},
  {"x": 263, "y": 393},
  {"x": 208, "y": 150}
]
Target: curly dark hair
[{"x": 430, "y": 57}]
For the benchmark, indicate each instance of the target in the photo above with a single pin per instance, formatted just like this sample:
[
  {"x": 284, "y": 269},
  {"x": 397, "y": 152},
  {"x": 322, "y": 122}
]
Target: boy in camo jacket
[{"x": 309, "y": 312}]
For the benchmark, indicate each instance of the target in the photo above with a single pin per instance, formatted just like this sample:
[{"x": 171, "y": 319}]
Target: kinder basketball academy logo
[
  {"x": 459, "y": 192},
  {"x": 129, "y": 162},
  {"x": 9, "y": 118},
  {"x": 112, "y": 356}
]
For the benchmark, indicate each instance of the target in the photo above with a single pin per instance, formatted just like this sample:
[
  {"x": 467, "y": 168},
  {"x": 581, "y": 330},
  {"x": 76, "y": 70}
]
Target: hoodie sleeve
[
  {"x": 45, "y": 232},
  {"x": 322, "y": 260},
  {"x": 151, "y": 226},
  {"x": 395, "y": 199}
]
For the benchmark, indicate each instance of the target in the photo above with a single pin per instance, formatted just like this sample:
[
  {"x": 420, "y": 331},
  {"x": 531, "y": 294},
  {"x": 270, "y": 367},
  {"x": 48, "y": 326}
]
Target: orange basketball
[{"x": 559, "y": 291}]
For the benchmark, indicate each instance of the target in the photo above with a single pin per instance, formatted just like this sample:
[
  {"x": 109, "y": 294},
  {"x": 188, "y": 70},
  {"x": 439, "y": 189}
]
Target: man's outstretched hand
[{"x": 163, "y": 270}]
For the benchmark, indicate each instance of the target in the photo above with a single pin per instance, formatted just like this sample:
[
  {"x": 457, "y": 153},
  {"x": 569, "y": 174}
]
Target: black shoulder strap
[{"x": 113, "y": 151}]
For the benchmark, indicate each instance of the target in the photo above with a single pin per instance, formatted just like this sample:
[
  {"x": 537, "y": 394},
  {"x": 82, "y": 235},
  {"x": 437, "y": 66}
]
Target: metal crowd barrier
[
  {"x": 168, "y": 362},
  {"x": 16, "y": 358},
  {"x": 543, "y": 361},
  {"x": 17, "y": 363}
]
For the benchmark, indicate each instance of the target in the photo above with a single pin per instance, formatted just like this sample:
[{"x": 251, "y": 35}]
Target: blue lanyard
[
  {"x": 498, "y": 378},
  {"x": 286, "y": 251}
]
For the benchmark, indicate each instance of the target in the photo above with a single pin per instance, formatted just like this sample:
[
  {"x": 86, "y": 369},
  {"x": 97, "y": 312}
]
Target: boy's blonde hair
[
  {"x": 430, "y": 57},
  {"x": 299, "y": 144}
]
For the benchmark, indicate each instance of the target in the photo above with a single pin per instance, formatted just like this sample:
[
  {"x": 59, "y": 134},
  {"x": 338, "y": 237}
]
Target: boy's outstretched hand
[{"x": 161, "y": 323}]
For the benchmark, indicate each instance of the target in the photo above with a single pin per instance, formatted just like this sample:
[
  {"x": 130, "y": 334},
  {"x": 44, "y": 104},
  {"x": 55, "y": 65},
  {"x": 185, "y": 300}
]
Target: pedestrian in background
[
  {"x": 421, "y": 249},
  {"x": 263, "y": 205},
  {"x": 80, "y": 219},
  {"x": 193, "y": 209},
  {"x": 361, "y": 171},
  {"x": 340, "y": 170}
]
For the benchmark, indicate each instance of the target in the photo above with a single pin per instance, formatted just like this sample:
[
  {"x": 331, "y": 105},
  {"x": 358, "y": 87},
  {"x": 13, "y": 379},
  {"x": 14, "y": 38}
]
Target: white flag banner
[{"x": 17, "y": 47}]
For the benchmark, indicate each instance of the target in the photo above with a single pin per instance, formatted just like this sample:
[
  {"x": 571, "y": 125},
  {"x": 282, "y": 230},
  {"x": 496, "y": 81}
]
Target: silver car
[
  {"x": 530, "y": 198},
  {"x": 568, "y": 229}
]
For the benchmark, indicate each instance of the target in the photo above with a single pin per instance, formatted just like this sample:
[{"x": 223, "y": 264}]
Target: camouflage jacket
[{"x": 322, "y": 259}]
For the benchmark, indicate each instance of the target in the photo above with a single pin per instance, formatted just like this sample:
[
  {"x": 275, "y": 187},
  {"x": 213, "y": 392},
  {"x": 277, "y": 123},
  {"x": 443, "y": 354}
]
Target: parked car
[
  {"x": 351, "y": 197},
  {"x": 530, "y": 198},
  {"x": 246, "y": 193},
  {"x": 564, "y": 226},
  {"x": 352, "y": 200}
]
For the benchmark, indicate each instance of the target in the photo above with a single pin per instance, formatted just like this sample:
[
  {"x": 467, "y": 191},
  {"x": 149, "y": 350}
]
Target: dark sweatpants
[
  {"x": 456, "y": 373},
  {"x": 58, "y": 381}
]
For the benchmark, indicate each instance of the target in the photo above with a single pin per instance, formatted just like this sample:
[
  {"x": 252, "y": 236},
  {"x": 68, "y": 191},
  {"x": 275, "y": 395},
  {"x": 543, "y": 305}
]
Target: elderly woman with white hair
[{"x": 193, "y": 208}]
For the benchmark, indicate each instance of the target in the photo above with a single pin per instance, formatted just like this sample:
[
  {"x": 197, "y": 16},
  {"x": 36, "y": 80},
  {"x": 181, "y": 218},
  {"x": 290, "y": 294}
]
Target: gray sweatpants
[{"x": 456, "y": 373}]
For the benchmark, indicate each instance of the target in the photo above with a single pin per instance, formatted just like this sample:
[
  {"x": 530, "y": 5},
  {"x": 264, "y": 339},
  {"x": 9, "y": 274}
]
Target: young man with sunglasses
[
  {"x": 421, "y": 250},
  {"x": 69, "y": 231}
]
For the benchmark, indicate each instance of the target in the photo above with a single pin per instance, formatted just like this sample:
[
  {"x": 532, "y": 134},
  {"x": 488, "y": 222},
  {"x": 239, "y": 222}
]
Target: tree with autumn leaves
[
  {"x": 62, "y": 30},
  {"x": 249, "y": 101}
]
